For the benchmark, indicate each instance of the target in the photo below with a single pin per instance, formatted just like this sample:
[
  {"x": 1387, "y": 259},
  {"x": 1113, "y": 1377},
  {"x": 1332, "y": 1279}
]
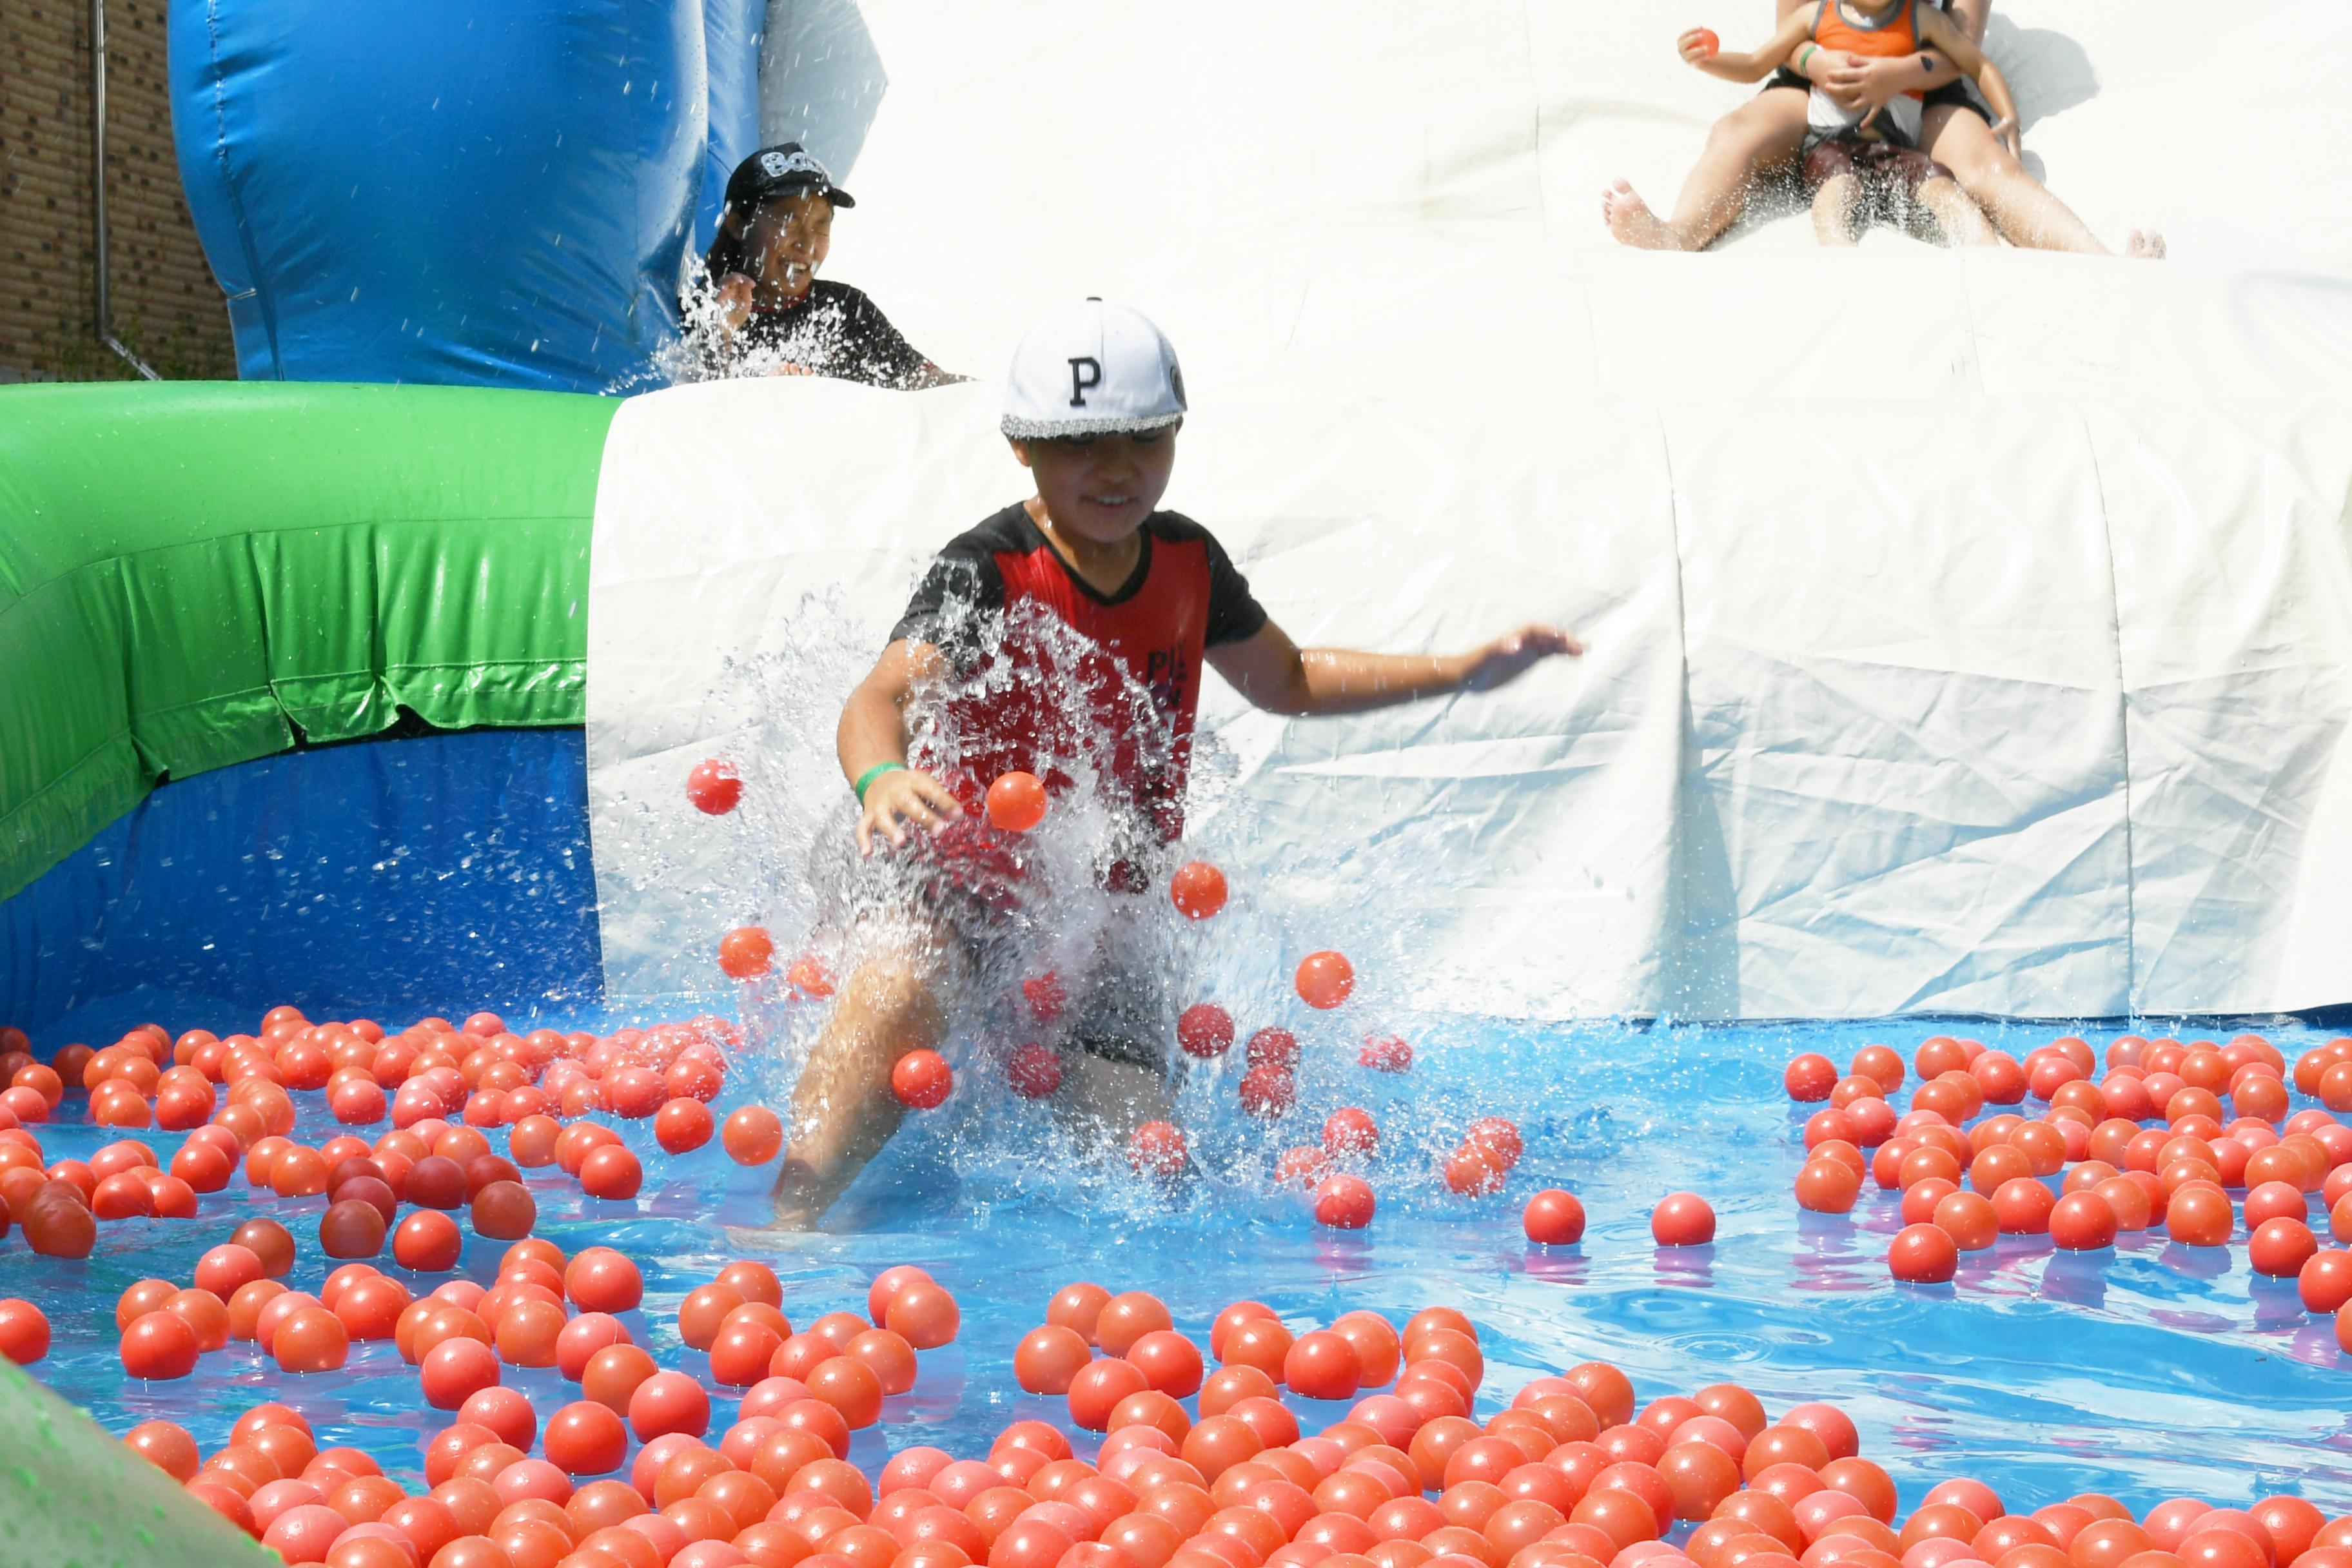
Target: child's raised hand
[
  {"x": 734, "y": 298},
  {"x": 1697, "y": 46},
  {"x": 1507, "y": 657},
  {"x": 907, "y": 796},
  {"x": 2010, "y": 135}
]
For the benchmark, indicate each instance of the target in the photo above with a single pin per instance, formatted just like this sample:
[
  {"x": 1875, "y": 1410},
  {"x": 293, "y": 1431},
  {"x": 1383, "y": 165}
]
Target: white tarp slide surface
[{"x": 1970, "y": 630}]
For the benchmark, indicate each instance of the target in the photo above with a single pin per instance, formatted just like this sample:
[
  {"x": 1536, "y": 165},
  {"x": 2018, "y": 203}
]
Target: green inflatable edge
[
  {"x": 73, "y": 1497},
  {"x": 197, "y": 573}
]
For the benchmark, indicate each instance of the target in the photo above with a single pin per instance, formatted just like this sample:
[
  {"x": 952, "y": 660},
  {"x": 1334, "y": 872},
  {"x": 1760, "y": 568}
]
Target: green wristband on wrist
[
  {"x": 1803, "y": 57},
  {"x": 870, "y": 774}
]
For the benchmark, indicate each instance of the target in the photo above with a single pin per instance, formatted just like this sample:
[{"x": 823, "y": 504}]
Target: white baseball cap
[{"x": 1092, "y": 369}]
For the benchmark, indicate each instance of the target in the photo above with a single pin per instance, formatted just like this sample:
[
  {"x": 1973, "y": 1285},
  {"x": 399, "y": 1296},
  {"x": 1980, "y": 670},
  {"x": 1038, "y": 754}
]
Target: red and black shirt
[{"x": 1120, "y": 696}]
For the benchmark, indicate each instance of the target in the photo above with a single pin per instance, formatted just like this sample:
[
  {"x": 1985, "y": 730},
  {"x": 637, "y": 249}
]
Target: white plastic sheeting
[{"x": 1969, "y": 630}]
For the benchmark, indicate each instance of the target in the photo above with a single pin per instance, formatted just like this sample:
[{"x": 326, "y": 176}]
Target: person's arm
[
  {"x": 1937, "y": 30},
  {"x": 872, "y": 734},
  {"x": 1731, "y": 66},
  {"x": 1274, "y": 673}
]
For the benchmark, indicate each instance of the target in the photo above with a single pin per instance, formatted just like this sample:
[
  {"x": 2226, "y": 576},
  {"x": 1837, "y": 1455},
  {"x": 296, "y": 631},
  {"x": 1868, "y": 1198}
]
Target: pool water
[{"x": 2146, "y": 1371}]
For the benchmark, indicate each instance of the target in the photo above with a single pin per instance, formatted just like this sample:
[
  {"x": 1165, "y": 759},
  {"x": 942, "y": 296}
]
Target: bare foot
[
  {"x": 2145, "y": 245},
  {"x": 1629, "y": 217}
]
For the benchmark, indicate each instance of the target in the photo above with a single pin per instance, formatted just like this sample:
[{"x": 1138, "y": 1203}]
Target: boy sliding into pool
[
  {"x": 1068, "y": 633},
  {"x": 1862, "y": 162}
]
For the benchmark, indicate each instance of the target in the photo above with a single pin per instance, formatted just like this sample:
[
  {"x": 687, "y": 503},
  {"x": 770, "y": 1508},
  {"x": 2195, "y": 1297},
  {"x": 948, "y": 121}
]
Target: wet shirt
[
  {"x": 833, "y": 330},
  {"x": 1122, "y": 694}
]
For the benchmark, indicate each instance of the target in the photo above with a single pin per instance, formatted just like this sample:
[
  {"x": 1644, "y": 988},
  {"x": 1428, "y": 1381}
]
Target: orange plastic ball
[
  {"x": 1016, "y": 802},
  {"x": 1681, "y": 1220},
  {"x": 1324, "y": 980},
  {"x": 753, "y": 1135},
  {"x": 1198, "y": 890},
  {"x": 746, "y": 952}
]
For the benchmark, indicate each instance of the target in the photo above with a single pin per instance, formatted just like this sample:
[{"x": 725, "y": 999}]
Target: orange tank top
[{"x": 1897, "y": 35}]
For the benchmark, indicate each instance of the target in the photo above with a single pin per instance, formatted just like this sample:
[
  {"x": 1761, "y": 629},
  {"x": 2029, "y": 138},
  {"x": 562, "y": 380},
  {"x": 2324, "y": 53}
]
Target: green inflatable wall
[
  {"x": 73, "y": 1497},
  {"x": 194, "y": 574}
]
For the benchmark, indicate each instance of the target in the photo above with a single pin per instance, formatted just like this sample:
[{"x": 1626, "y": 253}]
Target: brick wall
[{"x": 165, "y": 303}]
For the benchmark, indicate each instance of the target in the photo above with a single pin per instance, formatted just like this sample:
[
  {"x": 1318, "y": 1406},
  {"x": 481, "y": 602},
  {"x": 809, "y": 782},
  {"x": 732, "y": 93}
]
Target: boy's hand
[
  {"x": 1507, "y": 657},
  {"x": 2009, "y": 134},
  {"x": 906, "y": 796}
]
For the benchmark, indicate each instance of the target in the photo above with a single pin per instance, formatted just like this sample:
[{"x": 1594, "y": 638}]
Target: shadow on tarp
[{"x": 384, "y": 878}]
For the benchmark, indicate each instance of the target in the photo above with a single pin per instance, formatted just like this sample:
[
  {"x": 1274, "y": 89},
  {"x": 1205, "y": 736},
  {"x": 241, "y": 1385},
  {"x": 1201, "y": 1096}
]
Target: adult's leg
[
  {"x": 2020, "y": 205},
  {"x": 1962, "y": 221},
  {"x": 842, "y": 1110},
  {"x": 1833, "y": 206},
  {"x": 1756, "y": 137}
]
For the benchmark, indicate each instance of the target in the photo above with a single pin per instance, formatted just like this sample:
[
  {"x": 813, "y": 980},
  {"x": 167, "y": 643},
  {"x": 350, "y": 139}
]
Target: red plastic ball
[
  {"x": 1707, "y": 42},
  {"x": 1683, "y": 1219},
  {"x": 612, "y": 1171},
  {"x": 753, "y": 1135},
  {"x": 1034, "y": 1071},
  {"x": 160, "y": 1345},
  {"x": 1809, "y": 1078},
  {"x": 1923, "y": 1255},
  {"x": 1344, "y": 1202},
  {"x": 1554, "y": 1218},
  {"x": 713, "y": 787},
  {"x": 23, "y": 1330},
  {"x": 1016, "y": 802},
  {"x": 1159, "y": 1149},
  {"x": 922, "y": 1078},
  {"x": 746, "y": 952},
  {"x": 2083, "y": 1221},
  {"x": 682, "y": 1125},
  {"x": 427, "y": 1241},
  {"x": 1324, "y": 980},
  {"x": 1206, "y": 1030},
  {"x": 1198, "y": 890}
]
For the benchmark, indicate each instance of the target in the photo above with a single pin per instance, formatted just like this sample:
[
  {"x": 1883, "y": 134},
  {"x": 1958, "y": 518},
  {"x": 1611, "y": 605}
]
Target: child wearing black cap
[
  {"x": 1069, "y": 631},
  {"x": 761, "y": 309}
]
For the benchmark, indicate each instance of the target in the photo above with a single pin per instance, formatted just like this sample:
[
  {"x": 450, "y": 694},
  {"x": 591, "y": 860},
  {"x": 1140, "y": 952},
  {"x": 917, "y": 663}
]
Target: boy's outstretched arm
[
  {"x": 1278, "y": 676},
  {"x": 1733, "y": 66},
  {"x": 873, "y": 734}
]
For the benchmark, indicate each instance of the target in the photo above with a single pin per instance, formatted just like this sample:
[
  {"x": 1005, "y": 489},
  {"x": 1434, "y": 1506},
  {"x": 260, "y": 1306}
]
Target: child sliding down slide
[
  {"x": 1063, "y": 637},
  {"x": 1869, "y": 164}
]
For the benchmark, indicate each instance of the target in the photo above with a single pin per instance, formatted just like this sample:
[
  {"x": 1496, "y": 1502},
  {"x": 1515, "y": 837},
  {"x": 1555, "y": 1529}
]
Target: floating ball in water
[
  {"x": 1206, "y": 1030},
  {"x": 713, "y": 787},
  {"x": 1325, "y": 979},
  {"x": 1198, "y": 890},
  {"x": 1385, "y": 1053},
  {"x": 1498, "y": 1137},
  {"x": 1307, "y": 1166},
  {"x": 1321, "y": 1364},
  {"x": 1471, "y": 1171},
  {"x": 1828, "y": 1186},
  {"x": 681, "y": 1126},
  {"x": 1048, "y": 1358},
  {"x": 922, "y": 1079},
  {"x": 2083, "y": 1222},
  {"x": 1158, "y": 1149},
  {"x": 753, "y": 1135},
  {"x": 1034, "y": 1071},
  {"x": 1554, "y": 1217},
  {"x": 746, "y": 952},
  {"x": 1809, "y": 1078},
  {"x": 1683, "y": 1219},
  {"x": 1344, "y": 1202},
  {"x": 611, "y": 1171},
  {"x": 1016, "y": 802},
  {"x": 1046, "y": 995},
  {"x": 159, "y": 1345},
  {"x": 1923, "y": 1255}
]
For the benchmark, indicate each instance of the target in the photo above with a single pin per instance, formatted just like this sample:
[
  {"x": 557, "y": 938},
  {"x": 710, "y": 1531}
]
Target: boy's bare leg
[
  {"x": 2020, "y": 206},
  {"x": 1962, "y": 221},
  {"x": 842, "y": 1110},
  {"x": 1833, "y": 209},
  {"x": 1757, "y": 136},
  {"x": 1110, "y": 1099}
]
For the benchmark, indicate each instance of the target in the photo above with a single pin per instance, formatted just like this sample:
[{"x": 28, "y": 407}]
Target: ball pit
[{"x": 551, "y": 1389}]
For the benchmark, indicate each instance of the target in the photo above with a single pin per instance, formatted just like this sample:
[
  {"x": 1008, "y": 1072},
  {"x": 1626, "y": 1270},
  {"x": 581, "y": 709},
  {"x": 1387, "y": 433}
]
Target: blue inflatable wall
[
  {"x": 390, "y": 879},
  {"x": 469, "y": 192},
  {"x": 731, "y": 31}
]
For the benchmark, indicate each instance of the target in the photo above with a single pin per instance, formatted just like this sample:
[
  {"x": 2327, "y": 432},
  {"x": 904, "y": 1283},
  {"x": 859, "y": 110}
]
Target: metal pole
[{"x": 98, "y": 186}]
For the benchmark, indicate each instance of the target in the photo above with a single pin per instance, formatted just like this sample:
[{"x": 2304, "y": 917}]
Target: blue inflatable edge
[{"x": 382, "y": 879}]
